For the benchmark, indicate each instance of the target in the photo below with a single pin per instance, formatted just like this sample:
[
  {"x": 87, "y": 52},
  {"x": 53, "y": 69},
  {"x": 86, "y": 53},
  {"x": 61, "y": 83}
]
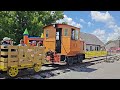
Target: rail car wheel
[
  {"x": 13, "y": 71},
  {"x": 37, "y": 67}
]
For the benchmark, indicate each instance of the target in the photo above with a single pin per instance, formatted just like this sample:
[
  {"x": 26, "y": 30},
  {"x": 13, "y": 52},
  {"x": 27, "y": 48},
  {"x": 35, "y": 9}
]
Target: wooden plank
[
  {"x": 37, "y": 61},
  {"x": 3, "y": 59},
  {"x": 21, "y": 52},
  {"x": 38, "y": 57},
  {"x": 3, "y": 66},
  {"x": 43, "y": 56},
  {"x": 3, "y": 47},
  {"x": 4, "y": 53},
  {"x": 31, "y": 53},
  {"x": 39, "y": 48},
  {"x": 29, "y": 56},
  {"x": 12, "y": 47},
  {"x": 11, "y": 64},
  {"x": 23, "y": 47},
  {"x": 25, "y": 66},
  {"x": 26, "y": 63},
  {"x": 12, "y": 53},
  {"x": 21, "y": 57},
  {"x": 31, "y": 47},
  {"x": 12, "y": 59},
  {"x": 40, "y": 52}
]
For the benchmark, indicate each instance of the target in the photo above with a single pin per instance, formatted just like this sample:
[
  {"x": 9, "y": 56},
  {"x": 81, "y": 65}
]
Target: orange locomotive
[{"x": 63, "y": 43}]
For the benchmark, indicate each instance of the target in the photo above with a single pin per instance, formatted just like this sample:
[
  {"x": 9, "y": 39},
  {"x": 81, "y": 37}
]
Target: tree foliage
[{"x": 13, "y": 23}]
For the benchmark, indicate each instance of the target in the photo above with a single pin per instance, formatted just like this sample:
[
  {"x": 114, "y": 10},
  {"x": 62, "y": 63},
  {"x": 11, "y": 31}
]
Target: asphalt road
[{"x": 98, "y": 71}]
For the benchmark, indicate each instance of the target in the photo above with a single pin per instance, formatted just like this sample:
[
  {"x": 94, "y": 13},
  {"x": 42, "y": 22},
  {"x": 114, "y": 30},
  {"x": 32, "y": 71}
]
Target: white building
[{"x": 92, "y": 43}]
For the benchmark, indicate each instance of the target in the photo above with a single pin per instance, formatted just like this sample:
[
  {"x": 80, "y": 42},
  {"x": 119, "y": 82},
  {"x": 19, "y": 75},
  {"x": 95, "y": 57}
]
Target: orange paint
[
  {"x": 68, "y": 46},
  {"x": 25, "y": 38}
]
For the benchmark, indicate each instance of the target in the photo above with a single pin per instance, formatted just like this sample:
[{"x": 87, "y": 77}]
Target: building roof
[
  {"x": 90, "y": 39},
  {"x": 112, "y": 44}
]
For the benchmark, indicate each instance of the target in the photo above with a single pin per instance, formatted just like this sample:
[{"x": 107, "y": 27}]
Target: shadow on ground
[
  {"x": 80, "y": 67},
  {"x": 83, "y": 69}
]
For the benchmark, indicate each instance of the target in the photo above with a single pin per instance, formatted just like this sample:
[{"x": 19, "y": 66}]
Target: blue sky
[{"x": 104, "y": 24}]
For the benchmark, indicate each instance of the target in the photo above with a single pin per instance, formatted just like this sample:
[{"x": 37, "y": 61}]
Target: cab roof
[{"x": 59, "y": 24}]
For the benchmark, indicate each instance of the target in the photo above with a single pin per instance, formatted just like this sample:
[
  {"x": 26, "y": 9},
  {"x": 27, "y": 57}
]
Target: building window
[
  {"x": 66, "y": 32},
  {"x": 87, "y": 50},
  {"x": 97, "y": 48},
  {"x": 47, "y": 33},
  {"x": 90, "y": 48}
]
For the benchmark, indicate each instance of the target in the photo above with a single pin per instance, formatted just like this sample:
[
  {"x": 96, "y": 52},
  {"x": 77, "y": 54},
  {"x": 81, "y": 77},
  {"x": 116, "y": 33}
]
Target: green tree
[
  {"x": 64, "y": 23},
  {"x": 13, "y": 23}
]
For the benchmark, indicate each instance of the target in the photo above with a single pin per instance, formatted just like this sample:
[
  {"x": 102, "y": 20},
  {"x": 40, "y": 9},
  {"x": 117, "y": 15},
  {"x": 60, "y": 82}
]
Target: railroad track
[{"x": 56, "y": 69}]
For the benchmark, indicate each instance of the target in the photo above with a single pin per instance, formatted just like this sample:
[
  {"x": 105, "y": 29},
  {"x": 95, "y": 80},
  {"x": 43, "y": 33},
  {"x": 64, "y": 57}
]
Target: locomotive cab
[{"x": 65, "y": 41}]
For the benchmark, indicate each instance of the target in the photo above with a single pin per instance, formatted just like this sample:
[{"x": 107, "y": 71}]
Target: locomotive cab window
[
  {"x": 74, "y": 34},
  {"x": 65, "y": 32},
  {"x": 47, "y": 33},
  {"x": 57, "y": 35}
]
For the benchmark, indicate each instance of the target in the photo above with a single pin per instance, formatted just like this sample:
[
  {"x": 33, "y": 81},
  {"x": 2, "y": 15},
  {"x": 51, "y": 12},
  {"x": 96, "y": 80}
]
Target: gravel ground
[
  {"x": 98, "y": 71},
  {"x": 92, "y": 70}
]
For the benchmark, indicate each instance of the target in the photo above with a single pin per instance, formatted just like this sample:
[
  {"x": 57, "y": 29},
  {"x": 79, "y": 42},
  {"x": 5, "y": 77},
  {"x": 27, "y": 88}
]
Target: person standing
[
  {"x": 6, "y": 41},
  {"x": 40, "y": 43},
  {"x": 34, "y": 43},
  {"x": 22, "y": 43}
]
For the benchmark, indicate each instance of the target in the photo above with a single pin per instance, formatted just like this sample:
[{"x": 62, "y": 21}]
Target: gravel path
[{"x": 89, "y": 69}]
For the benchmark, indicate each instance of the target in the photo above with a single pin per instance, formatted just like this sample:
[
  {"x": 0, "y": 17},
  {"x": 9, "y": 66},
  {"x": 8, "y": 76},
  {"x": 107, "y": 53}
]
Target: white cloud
[
  {"x": 69, "y": 21},
  {"x": 112, "y": 36},
  {"x": 109, "y": 21},
  {"x": 100, "y": 34},
  {"x": 82, "y": 21},
  {"x": 101, "y": 17},
  {"x": 89, "y": 24}
]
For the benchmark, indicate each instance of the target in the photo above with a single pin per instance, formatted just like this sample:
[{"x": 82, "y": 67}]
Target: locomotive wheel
[
  {"x": 70, "y": 61},
  {"x": 37, "y": 67},
  {"x": 13, "y": 71},
  {"x": 79, "y": 59}
]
